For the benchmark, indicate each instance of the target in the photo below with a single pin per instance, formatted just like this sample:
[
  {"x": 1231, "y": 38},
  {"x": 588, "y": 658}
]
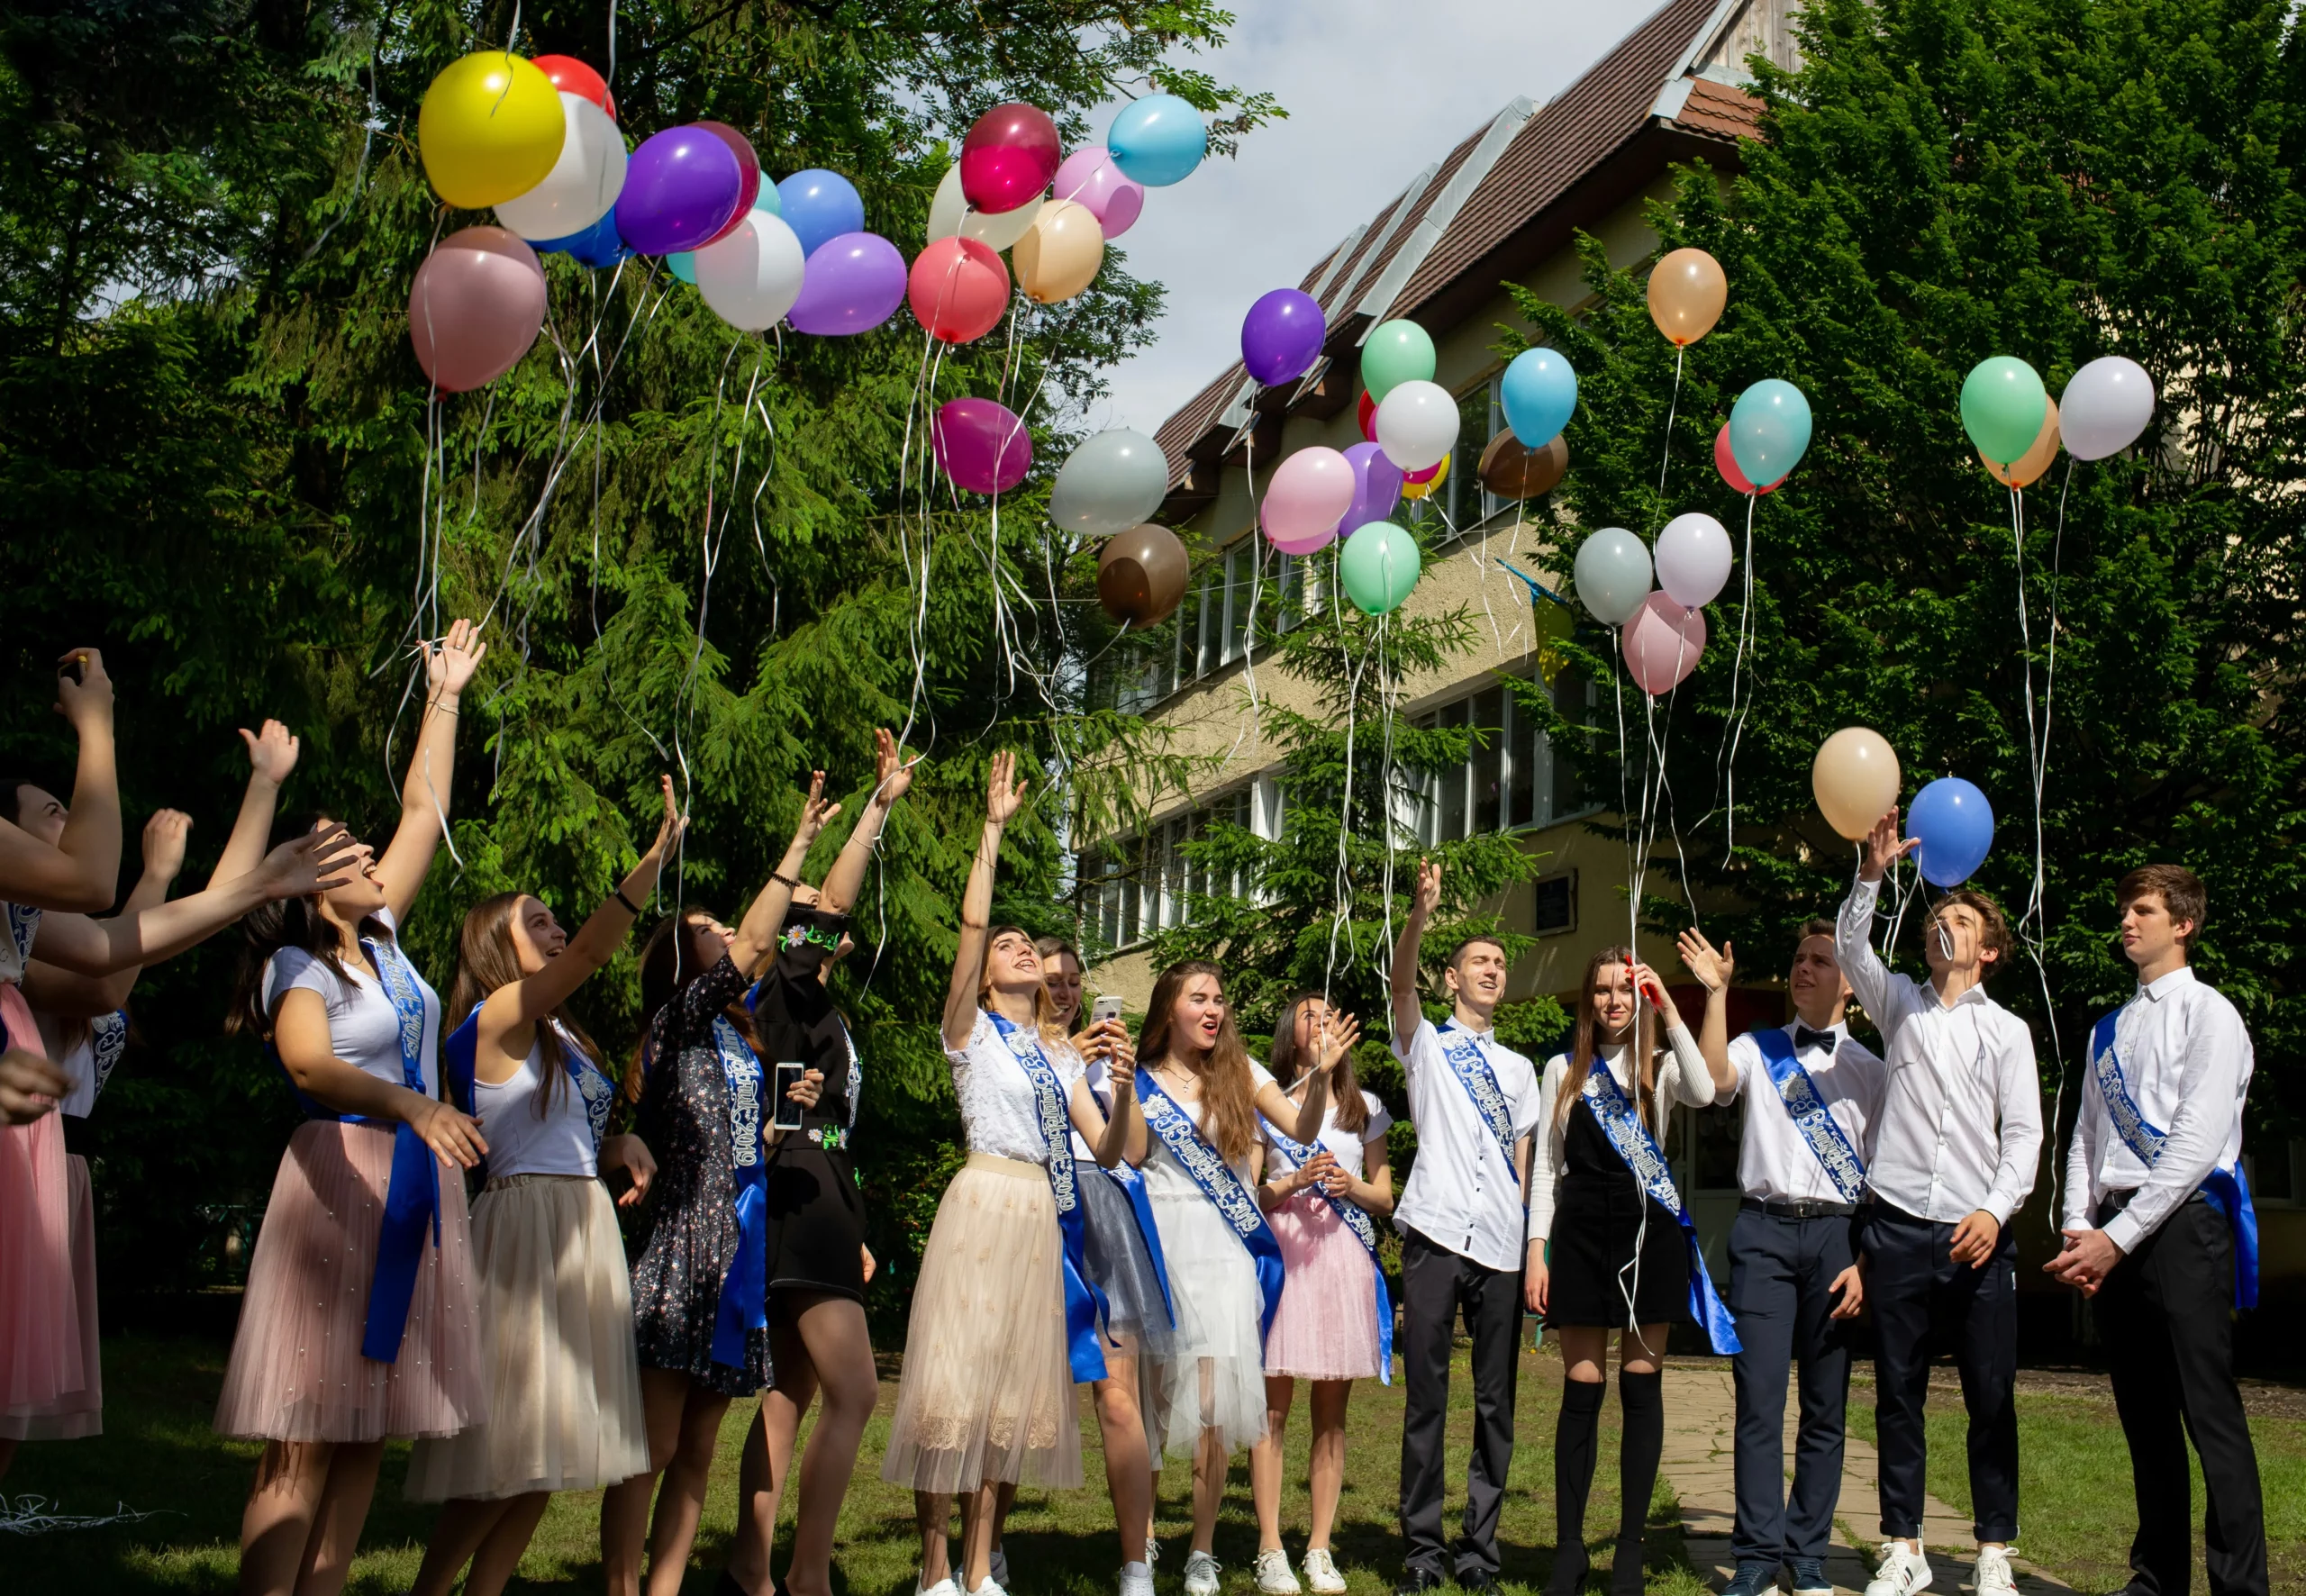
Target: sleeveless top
[{"x": 521, "y": 1143}]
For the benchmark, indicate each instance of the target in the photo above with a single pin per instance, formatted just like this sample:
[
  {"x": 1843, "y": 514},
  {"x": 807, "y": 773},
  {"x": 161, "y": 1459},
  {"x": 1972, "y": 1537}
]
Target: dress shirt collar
[
  {"x": 2168, "y": 985},
  {"x": 1973, "y": 993},
  {"x": 1454, "y": 1023}
]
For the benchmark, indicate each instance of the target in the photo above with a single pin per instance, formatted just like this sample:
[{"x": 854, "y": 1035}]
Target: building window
[
  {"x": 1554, "y": 904},
  {"x": 1461, "y": 496},
  {"x": 1210, "y": 629},
  {"x": 1140, "y": 886},
  {"x": 1511, "y": 778}
]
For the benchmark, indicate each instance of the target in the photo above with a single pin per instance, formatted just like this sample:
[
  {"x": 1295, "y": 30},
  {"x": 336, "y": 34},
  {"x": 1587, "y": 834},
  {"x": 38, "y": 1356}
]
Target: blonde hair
[{"x": 1045, "y": 1019}]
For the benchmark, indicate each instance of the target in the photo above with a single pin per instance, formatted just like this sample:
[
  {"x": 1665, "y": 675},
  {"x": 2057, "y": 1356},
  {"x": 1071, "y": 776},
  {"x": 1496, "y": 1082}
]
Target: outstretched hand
[
  {"x": 88, "y": 700},
  {"x": 1339, "y": 1032},
  {"x": 1005, "y": 790},
  {"x": 450, "y": 663},
  {"x": 1883, "y": 848},
  {"x": 816, "y": 811},
  {"x": 322, "y": 858},
  {"x": 669, "y": 829},
  {"x": 892, "y": 772},
  {"x": 165, "y": 835},
  {"x": 272, "y": 752},
  {"x": 1712, "y": 967},
  {"x": 1427, "y": 897}
]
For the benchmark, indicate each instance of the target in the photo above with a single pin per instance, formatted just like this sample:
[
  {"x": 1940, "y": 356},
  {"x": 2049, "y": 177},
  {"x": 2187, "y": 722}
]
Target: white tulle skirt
[{"x": 1215, "y": 1376}]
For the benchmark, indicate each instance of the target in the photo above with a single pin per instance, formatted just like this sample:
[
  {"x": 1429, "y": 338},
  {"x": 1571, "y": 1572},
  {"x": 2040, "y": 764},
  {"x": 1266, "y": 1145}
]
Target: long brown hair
[
  {"x": 1050, "y": 948},
  {"x": 674, "y": 955},
  {"x": 1044, "y": 1006},
  {"x": 1583, "y": 1049},
  {"x": 1228, "y": 1091},
  {"x": 287, "y": 922},
  {"x": 1288, "y": 1061},
  {"x": 485, "y": 961}
]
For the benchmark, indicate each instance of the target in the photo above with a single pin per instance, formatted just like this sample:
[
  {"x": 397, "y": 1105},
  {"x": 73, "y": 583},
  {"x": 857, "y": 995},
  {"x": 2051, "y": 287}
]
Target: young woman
[
  {"x": 1335, "y": 1324},
  {"x": 1201, "y": 1096},
  {"x": 556, "y": 1299},
  {"x": 1621, "y": 1259},
  {"x": 358, "y": 1322},
  {"x": 818, "y": 1263},
  {"x": 1003, "y": 1321}
]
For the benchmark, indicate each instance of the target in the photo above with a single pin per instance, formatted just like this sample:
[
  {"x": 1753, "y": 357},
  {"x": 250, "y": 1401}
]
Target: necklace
[{"x": 1170, "y": 1075}]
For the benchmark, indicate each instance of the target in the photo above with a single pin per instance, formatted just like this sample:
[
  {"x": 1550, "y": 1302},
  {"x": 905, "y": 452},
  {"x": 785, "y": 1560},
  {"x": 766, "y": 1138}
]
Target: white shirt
[
  {"x": 1462, "y": 1194},
  {"x": 363, "y": 1026},
  {"x": 2186, "y": 1058},
  {"x": 520, "y": 1140},
  {"x": 1774, "y": 1162},
  {"x": 1001, "y": 1113},
  {"x": 1345, "y": 1146},
  {"x": 1961, "y": 1126},
  {"x": 1682, "y": 1077}
]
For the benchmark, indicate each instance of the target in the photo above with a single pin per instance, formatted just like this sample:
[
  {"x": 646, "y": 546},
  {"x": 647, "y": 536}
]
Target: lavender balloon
[
  {"x": 852, "y": 284},
  {"x": 681, "y": 187},
  {"x": 1377, "y": 486},
  {"x": 980, "y": 444},
  {"x": 1281, "y": 337}
]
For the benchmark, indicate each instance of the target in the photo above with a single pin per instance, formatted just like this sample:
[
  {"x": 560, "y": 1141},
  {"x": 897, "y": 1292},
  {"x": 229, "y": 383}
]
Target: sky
[{"x": 1377, "y": 91}]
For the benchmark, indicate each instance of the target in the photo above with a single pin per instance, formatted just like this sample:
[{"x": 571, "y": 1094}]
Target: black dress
[
  {"x": 1594, "y": 1223},
  {"x": 816, "y": 1215}
]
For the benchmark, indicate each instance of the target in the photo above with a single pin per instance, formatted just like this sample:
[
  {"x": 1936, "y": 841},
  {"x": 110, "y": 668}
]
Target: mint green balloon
[
  {"x": 2004, "y": 406},
  {"x": 683, "y": 263},
  {"x": 1399, "y": 352},
  {"x": 1378, "y": 566}
]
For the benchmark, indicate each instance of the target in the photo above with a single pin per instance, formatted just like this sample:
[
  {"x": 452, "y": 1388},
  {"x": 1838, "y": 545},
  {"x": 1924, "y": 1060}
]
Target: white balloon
[
  {"x": 1694, "y": 556},
  {"x": 1613, "y": 576},
  {"x": 1417, "y": 424},
  {"x": 2105, "y": 407},
  {"x": 1114, "y": 481},
  {"x": 950, "y": 213},
  {"x": 752, "y": 277},
  {"x": 583, "y": 183}
]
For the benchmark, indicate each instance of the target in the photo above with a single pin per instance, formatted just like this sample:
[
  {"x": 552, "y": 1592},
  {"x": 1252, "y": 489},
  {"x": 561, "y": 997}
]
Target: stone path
[{"x": 1701, "y": 1407}]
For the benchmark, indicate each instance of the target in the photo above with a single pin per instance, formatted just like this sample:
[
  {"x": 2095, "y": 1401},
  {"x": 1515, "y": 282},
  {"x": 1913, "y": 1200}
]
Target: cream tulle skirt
[
  {"x": 297, "y": 1373},
  {"x": 76, "y": 1414},
  {"x": 1215, "y": 1378},
  {"x": 987, "y": 1392},
  {"x": 556, "y": 1317}
]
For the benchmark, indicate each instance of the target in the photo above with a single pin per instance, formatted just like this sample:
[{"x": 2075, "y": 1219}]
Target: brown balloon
[
  {"x": 1141, "y": 575},
  {"x": 1512, "y": 471},
  {"x": 2038, "y": 458}
]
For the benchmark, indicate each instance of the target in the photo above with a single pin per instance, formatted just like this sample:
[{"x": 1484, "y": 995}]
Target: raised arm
[
  {"x": 1713, "y": 968},
  {"x": 84, "y": 997},
  {"x": 892, "y": 776},
  {"x": 1004, "y": 795},
  {"x": 80, "y": 875},
  {"x": 424, "y": 792},
  {"x": 1408, "y": 1011},
  {"x": 272, "y": 754},
  {"x": 757, "y": 933},
  {"x": 1339, "y": 1033},
  {"x": 1868, "y": 978}
]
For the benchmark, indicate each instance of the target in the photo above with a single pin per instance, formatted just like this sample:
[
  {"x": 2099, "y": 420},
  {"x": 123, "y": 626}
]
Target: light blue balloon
[
  {"x": 818, "y": 205},
  {"x": 683, "y": 263},
  {"x": 1157, "y": 140},
  {"x": 1956, "y": 826},
  {"x": 1769, "y": 430},
  {"x": 1539, "y": 395}
]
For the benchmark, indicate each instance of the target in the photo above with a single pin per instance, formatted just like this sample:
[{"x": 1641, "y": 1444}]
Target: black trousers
[
  {"x": 1924, "y": 1301},
  {"x": 2165, "y": 1316},
  {"x": 1437, "y": 1285},
  {"x": 1780, "y": 1276}
]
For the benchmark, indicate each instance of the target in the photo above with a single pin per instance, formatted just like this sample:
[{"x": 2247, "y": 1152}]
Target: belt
[
  {"x": 1800, "y": 1208},
  {"x": 2121, "y": 1198}
]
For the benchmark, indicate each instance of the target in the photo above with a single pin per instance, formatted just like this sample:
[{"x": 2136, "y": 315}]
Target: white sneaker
[
  {"x": 1000, "y": 1570},
  {"x": 1322, "y": 1576},
  {"x": 1136, "y": 1579},
  {"x": 947, "y": 1586},
  {"x": 1200, "y": 1575},
  {"x": 992, "y": 1587},
  {"x": 1994, "y": 1575},
  {"x": 1901, "y": 1572},
  {"x": 1152, "y": 1553},
  {"x": 1274, "y": 1577}
]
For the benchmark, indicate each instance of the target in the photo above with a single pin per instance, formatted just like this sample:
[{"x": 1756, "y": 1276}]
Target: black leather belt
[{"x": 1799, "y": 1207}]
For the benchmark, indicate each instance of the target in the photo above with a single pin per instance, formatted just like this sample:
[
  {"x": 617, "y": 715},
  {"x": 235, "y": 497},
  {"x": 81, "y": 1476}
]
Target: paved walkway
[{"x": 1701, "y": 1408}]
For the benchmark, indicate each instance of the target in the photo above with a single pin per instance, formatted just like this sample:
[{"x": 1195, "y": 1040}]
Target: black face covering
[{"x": 810, "y": 938}]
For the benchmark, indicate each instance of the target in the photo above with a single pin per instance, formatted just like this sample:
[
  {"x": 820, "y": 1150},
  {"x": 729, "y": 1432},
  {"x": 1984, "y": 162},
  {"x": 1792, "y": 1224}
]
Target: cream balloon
[
  {"x": 950, "y": 213},
  {"x": 1417, "y": 424},
  {"x": 583, "y": 183},
  {"x": 1855, "y": 777},
  {"x": 752, "y": 277},
  {"x": 1060, "y": 253}
]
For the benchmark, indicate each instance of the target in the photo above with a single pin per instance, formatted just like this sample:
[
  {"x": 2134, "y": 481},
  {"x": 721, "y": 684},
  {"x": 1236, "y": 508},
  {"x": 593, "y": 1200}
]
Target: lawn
[{"x": 159, "y": 1458}]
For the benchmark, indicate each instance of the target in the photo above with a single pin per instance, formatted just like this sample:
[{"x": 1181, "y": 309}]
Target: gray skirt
[{"x": 1120, "y": 1263}]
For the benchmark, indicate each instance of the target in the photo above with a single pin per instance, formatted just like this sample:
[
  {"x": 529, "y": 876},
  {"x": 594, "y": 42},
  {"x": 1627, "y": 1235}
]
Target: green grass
[{"x": 159, "y": 1456}]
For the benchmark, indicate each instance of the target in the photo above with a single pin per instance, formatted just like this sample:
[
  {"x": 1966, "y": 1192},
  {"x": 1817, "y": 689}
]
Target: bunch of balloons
[
  {"x": 1765, "y": 438},
  {"x": 1855, "y": 778},
  {"x": 1106, "y": 488},
  {"x": 2017, "y": 428}
]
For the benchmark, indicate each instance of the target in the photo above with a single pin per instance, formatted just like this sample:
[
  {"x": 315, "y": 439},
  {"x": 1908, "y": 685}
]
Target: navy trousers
[{"x": 1782, "y": 1271}]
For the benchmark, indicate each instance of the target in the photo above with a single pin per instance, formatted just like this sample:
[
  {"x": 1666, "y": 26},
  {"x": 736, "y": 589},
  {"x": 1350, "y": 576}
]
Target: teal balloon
[
  {"x": 1539, "y": 394},
  {"x": 1157, "y": 139},
  {"x": 1378, "y": 566},
  {"x": 2004, "y": 406},
  {"x": 768, "y": 199},
  {"x": 683, "y": 265},
  {"x": 1396, "y": 352},
  {"x": 1769, "y": 430}
]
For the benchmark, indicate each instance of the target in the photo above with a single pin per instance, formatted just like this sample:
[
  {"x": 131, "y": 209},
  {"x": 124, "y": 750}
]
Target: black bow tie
[{"x": 1804, "y": 1037}]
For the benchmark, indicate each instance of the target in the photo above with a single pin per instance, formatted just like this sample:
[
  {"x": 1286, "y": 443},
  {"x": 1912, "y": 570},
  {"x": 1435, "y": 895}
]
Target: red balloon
[
  {"x": 1368, "y": 414},
  {"x": 1727, "y": 463},
  {"x": 1413, "y": 478},
  {"x": 573, "y": 77},
  {"x": 1009, "y": 157},
  {"x": 980, "y": 445},
  {"x": 747, "y": 167},
  {"x": 475, "y": 307},
  {"x": 958, "y": 289}
]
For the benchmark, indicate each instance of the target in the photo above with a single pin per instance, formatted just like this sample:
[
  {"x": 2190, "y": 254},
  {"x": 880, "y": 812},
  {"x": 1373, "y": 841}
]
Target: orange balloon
[
  {"x": 1059, "y": 254},
  {"x": 1686, "y": 294},
  {"x": 2040, "y": 456}
]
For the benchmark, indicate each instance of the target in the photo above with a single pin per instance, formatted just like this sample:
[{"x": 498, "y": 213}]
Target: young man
[
  {"x": 2159, "y": 1229},
  {"x": 1953, "y": 1155},
  {"x": 1462, "y": 1216},
  {"x": 1813, "y": 1095}
]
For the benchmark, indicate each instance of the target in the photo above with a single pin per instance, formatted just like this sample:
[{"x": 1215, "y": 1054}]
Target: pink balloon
[
  {"x": 1727, "y": 463},
  {"x": 980, "y": 445},
  {"x": 475, "y": 307},
  {"x": 1662, "y": 644},
  {"x": 1308, "y": 495},
  {"x": 1091, "y": 177}
]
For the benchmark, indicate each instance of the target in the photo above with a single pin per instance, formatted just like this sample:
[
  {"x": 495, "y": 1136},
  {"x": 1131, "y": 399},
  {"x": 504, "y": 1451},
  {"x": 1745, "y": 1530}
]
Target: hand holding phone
[
  {"x": 786, "y": 1113},
  {"x": 1105, "y": 1008}
]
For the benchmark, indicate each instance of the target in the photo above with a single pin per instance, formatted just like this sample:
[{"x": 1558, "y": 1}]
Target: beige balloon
[
  {"x": 1686, "y": 294},
  {"x": 1060, "y": 253},
  {"x": 950, "y": 213},
  {"x": 1856, "y": 780},
  {"x": 2027, "y": 468}
]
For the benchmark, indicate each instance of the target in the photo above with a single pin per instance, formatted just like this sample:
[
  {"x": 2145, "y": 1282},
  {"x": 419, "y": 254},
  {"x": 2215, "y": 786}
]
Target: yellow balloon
[
  {"x": 1061, "y": 252},
  {"x": 1856, "y": 780},
  {"x": 490, "y": 129},
  {"x": 1418, "y": 490}
]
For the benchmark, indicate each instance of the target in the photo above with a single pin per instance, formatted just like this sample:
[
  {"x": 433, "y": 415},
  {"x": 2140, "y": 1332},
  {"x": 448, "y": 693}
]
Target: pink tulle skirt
[
  {"x": 72, "y": 1415},
  {"x": 297, "y": 1373},
  {"x": 1326, "y": 1328},
  {"x": 39, "y": 1317}
]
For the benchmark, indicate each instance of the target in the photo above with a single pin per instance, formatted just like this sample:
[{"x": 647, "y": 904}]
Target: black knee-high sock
[
  {"x": 1642, "y": 1399},
  {"x": 1574, "y": 1440}
]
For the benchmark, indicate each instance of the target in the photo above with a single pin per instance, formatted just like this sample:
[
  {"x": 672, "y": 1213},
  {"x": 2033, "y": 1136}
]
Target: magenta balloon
[
  {"x": 474, "y": 308},
  {"x": 980, "y": 445},
  {"x": 1663, "y": 643},
  {"x": 1307, "y": 498},
  {"x": 1281, "y": 337},
  {"x": 1008, "y": 157},
  {"x": 1377, "y": 486},
  {"x": 852, "y": 284},
  {"x": 1092, "y": 178},
  {"x": 680, "y": 188}
]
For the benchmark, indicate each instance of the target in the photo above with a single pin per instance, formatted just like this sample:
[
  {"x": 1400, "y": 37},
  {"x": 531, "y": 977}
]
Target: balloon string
[
  {"x": 1733, "y": 734},
  {"x": 1345, "y": 802},
  {"x": 1673, "y": 409},
  {"x": 2033, "y": 925}
]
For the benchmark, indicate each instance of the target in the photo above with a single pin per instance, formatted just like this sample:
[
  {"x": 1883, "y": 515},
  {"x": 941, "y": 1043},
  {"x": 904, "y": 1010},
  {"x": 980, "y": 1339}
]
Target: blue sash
[
  {"x": 461, "y": 1064},
  {"x": 1807, "y": 1109},
  {"x": 1141, "y": 1205},
  {"x": 1085, "y": 1304},
  {"x": 2228, "y": 1190},
  {"x": 1471, "y": 1067},
  {"x": 1221, "y": 1186},
  {"x": 1356, "y": 1219},
  {"x": 744, "y": 1290},
  {"x": 1634, "y": 1144}
]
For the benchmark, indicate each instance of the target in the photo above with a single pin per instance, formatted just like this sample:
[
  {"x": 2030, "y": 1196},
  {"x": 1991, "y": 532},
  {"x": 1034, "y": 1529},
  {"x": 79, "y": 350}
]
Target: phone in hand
[
  {"x": 1105, "y": 1008},
  {"x": 786, "y": 1114}
]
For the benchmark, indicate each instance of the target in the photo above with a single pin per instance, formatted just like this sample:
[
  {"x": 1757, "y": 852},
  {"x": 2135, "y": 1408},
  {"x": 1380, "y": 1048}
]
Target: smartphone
[
  {"x": 788, "y": 1113},
  {"x": 1104, "y": 1009}
]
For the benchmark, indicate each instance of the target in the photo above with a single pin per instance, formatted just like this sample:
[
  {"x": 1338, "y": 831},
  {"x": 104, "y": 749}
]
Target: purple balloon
[
  {"x": 1281, "y": 337},
  {"x": 980, "y": 445},
  {"x": 681, "y": 187},
  {"x": 852, "y": 284},
  {"x": 1376, "y": 487}
]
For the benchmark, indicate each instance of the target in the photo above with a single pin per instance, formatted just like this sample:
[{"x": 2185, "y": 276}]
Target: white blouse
[
  {"x": 1682, "y": 1077},
  {"x": 1000, "y": 1112},
  {"x": 1345, "y": 1146},
  {"x": 363, "y": 1026}
]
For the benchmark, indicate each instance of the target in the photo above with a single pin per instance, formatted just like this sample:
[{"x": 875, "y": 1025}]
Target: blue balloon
[
  {"x": 599, "y": 245},
  {"x": 1769, "y": 430},
  {"x": 819, "y": 205},
  {"x": 1538, "y": 393},
  {"x": 1955, "y": 824},
  {"x": 1157, "y": 140}
]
